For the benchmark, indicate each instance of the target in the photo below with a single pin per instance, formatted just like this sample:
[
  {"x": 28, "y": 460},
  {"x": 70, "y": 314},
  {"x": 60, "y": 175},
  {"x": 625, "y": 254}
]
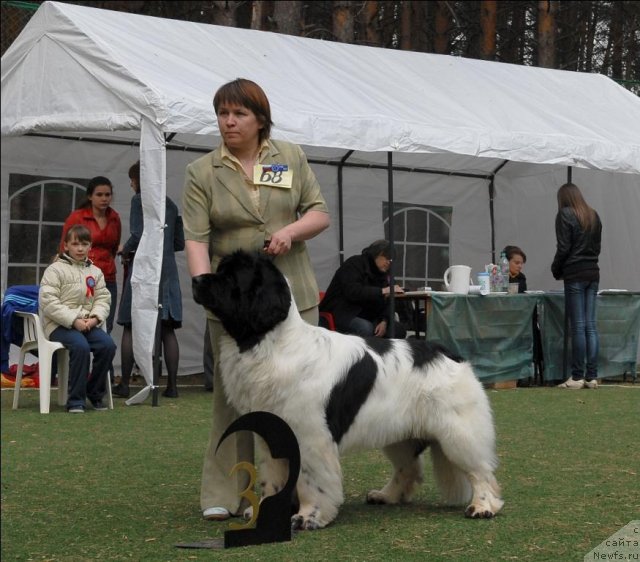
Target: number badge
[{"x": 273, "y": 175}]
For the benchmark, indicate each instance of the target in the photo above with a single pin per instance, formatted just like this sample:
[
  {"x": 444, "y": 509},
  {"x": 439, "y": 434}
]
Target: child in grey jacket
[{"x": 73, "y": 303}]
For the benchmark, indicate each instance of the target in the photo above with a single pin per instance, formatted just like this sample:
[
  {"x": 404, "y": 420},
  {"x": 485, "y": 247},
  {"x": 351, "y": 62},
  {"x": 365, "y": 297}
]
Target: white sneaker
[
  {"x": 573, "y": 385},
  {"x": 216, "y": 514},
  {"x": 591, "y": 384}
]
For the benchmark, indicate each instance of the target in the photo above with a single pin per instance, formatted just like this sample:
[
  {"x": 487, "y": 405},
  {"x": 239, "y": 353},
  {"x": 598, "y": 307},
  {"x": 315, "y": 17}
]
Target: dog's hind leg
[
  {"x": 468, "y": 451},
  {"x": 406, "y": 457}
]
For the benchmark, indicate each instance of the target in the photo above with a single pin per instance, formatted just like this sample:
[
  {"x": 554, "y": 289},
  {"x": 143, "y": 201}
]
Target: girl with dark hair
[
  {"x": 103, "y": 223},
  {"x": 578, "y": 235}
]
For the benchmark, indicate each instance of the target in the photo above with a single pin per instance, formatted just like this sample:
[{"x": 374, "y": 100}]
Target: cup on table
[
  {"x": 485, "y": 283},
  {"x": 513, "y": 288}
]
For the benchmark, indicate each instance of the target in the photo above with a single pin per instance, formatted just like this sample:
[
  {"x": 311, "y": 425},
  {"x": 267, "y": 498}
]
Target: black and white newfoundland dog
[{"x": 340, "y": 393}]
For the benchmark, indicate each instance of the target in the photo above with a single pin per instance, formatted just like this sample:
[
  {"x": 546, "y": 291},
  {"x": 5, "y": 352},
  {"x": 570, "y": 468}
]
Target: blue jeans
[
  {"x": 581, "y": 307},
  {"x": 364, "y": 328},
  {"x": 82, "y": 383}
]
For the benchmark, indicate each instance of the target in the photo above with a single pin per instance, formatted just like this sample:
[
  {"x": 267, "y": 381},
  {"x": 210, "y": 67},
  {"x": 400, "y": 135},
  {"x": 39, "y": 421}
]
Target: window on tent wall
[
  {"x": 38, "y": 207},
  {"x": 422, "y": 235}
]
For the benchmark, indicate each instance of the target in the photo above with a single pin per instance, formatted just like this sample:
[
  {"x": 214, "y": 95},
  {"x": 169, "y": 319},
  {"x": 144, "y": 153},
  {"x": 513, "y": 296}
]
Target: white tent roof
[{"x": 84, "y": 69}]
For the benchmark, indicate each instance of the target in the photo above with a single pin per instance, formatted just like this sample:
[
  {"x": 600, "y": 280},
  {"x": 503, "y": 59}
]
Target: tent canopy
[
  {"x": 82, "y": 69},
  {"x": 112, "y": 76}
]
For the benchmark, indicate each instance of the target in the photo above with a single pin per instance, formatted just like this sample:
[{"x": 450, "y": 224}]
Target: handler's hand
[
  {"x": 280, "y": 243},
  {"x": 381, "y": 329}
]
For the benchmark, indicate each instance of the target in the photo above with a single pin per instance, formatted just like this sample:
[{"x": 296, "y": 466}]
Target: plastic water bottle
[{"x": 504, "y": 269}]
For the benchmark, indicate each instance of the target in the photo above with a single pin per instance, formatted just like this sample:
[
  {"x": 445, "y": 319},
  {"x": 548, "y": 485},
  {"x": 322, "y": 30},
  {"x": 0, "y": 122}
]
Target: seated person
[
  {"x": 358, "y": 295},
  {"x": 73, "y": 302},
  {"x": 517, "y": 258}
]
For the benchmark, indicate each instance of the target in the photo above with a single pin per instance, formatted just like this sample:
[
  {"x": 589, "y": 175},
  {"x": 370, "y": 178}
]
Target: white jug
[{"x": 459, "y": 280}]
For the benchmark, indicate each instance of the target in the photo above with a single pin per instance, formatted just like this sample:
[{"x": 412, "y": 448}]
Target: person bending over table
[{"x": 358, "y": 295}]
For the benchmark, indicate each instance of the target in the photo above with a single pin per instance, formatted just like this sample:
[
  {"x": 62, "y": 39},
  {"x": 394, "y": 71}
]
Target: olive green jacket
[{"x": 217, "y": 209}]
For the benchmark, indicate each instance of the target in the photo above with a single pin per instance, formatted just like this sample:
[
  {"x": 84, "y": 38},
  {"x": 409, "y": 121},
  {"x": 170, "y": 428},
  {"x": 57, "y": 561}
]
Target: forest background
[{"x": 585, "y": 36}]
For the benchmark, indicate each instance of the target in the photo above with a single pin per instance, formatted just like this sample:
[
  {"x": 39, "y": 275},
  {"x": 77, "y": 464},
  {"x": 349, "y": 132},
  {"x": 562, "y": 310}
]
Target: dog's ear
[
  {"x": 252, "y": 296},
  {"x": 271, "y": 297}
]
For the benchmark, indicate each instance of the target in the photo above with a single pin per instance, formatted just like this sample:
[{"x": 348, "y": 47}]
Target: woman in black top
[{"x": 578, "y": 234}]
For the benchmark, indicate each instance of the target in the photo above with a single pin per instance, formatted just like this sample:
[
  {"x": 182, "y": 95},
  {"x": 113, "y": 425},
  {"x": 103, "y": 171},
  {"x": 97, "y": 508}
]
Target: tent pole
[
  {"x": 567, "y": 328},
  {"x": 341, "y": 205},
  {"x": 492, "y": 193},
  {"x": 392, "y": 281},
  {"x": 157, "y": 353}
]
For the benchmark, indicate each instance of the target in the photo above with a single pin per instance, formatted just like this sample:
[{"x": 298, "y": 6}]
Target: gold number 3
[{"x": 247, "y": 493}]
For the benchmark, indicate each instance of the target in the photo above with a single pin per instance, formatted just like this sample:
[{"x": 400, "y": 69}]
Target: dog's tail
[{"x": 452, "y": 482}]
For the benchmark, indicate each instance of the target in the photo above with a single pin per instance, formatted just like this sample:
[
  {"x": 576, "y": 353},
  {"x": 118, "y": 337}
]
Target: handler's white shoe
[
  {"x": 591, "y": 384},
  {"x": 216, "y": 514},
  {"x": 570, "y": 383}
]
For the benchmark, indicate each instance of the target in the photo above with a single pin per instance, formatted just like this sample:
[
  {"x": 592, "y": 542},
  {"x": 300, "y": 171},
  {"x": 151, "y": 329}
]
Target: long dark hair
[
  {"x": 569, "y": 195},
  {"x": 91, "y": 187},
  {"x": 247, "y": 94}
]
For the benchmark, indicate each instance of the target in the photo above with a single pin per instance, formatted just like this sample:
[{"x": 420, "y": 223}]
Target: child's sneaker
[
  {"x": 75, "y": 410},
  {"x": 572, "y": 384},
  {"x": 593, "y": 383}
]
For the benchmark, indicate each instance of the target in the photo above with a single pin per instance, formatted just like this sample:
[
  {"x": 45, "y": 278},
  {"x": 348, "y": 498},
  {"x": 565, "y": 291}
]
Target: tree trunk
[
  {"x": 224, "y": 13},
  {"x": 421, "y": 27},
  {"x": 488, "y": 18},
  {"x": 343, "y": 21},
  {"x": 546, "y": 34},
  {"x": 617, "y": 39},
  {"x": 257, "y": 14},
  {"x": 406, "y": 16},
  {"x": 631, "y": 66},
  {"x": 443, "y": 26},
  {"x": 592, "y": 26},
  {"x": 369, "y": 24},
  {"x": 287, "y": 17}
]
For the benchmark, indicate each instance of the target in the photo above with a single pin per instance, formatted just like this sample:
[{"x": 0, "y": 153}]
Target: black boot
[
  {"x": 121, "y": 390},
  {"x": 172, "y": 387},
  {"x": 170, "y": 392}
]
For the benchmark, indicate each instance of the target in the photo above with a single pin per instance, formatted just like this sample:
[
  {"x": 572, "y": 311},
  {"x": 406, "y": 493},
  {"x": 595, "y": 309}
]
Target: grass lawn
[{"x": 124, "y": 485}]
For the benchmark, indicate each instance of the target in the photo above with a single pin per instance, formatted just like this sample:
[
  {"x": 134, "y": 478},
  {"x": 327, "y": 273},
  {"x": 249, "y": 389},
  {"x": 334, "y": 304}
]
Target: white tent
[{"x": 483, "y": 127}]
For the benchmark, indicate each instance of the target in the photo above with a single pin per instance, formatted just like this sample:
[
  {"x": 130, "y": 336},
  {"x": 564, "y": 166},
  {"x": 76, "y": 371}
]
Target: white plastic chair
[{"x": 35, "y": 339}]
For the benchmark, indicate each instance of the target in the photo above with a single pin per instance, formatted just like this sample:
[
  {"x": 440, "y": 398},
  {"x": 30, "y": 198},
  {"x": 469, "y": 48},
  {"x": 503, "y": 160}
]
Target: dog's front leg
[
  {"x": 319, "y": 487},
  {"x": 272, "y": 474}
]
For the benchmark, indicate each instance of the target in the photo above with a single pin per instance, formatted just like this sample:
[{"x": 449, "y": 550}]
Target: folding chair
[
  {"x": 326, "y": 318},
  {"x": 35, "y": 339}
]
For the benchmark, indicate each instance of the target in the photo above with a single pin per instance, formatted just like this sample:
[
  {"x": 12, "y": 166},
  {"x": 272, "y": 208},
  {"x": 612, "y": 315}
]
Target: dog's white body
[{"x": 341, "y": 393}]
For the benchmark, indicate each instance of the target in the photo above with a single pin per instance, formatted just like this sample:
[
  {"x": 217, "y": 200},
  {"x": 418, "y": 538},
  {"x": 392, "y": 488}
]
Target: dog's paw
[
  {"x": 247, "y": 514},
  {"x": 376, "y": 497},
  {"x": 475, "y": 512},
  {"x": 299, "y": 523}
]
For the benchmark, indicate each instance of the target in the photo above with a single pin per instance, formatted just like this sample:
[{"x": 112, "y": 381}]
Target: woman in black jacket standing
[{"x": 578, "y": 235}]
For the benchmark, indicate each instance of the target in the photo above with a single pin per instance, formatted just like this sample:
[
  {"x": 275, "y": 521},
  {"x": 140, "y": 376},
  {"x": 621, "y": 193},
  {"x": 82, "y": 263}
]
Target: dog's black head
[{"x": 247, "y": 293}]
